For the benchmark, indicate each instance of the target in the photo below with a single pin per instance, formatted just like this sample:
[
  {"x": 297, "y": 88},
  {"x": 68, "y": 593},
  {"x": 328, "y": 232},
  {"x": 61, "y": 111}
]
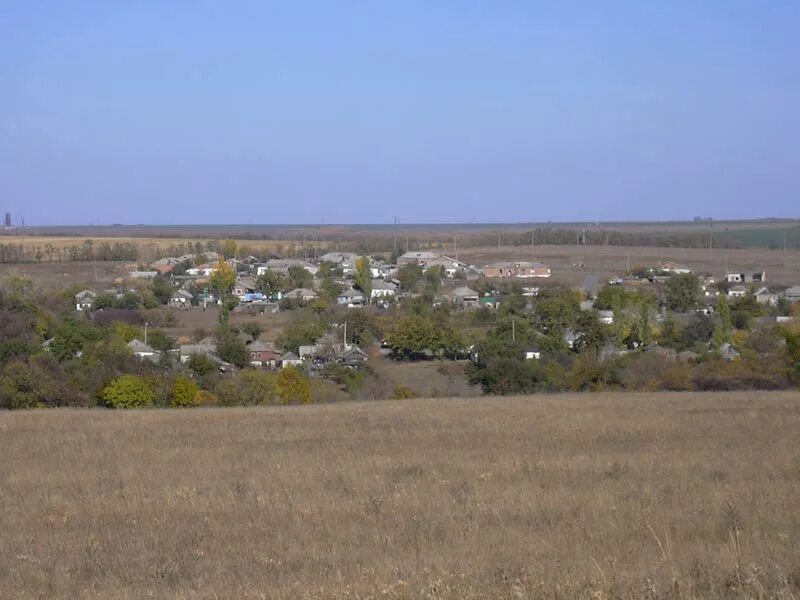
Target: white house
[
  {"x": 673, "y": 267},
  {"x": 793, "y": 294},
  {"x": 382, "y": 289},
  {"x": 303, "y": 294},
  {"x": 140, "y": 349},
  {"x": 282, "y": 266},
  {"x": 532, "y": 353},
  {"x": 765, "y": 296},
  {"x": 84, "y": 300},
  {"x": 181, "y": 299},
  {"x": 351, "y": 297},
  {"x": 606, "y": 316},
  {"x": 737, "y": 291}
]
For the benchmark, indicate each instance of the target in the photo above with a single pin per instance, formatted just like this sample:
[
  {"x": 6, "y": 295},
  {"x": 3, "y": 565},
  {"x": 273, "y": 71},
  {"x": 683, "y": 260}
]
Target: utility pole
[
  {"x": 629, "y": 263},
  {"x": 145, "y": 331},
  {"x": 513, "y": 330}
]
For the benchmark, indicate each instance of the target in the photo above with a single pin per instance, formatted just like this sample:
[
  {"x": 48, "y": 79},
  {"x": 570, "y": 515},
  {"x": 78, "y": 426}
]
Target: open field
[
  {"x": 783, "y": 268},
  {"x": 590, "y": 496}
]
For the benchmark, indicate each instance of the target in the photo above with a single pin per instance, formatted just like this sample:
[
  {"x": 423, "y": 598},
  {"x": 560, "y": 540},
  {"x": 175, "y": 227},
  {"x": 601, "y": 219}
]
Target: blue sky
[{"x": 356, "y": 112}]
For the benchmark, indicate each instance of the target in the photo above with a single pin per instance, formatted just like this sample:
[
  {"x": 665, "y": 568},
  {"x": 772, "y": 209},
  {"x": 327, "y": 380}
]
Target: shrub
[
  {"x": 128, "y": 391},
  {"x": 293, "y": 386},
  {"x": 183, "y": 393},
  {"x": 247, "y": 388},
  {"x": 403, "y": 392}
]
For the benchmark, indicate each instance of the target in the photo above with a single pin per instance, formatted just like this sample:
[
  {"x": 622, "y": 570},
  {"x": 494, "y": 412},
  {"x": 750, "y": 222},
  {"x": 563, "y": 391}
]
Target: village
[{"x": 340, "y": 282}]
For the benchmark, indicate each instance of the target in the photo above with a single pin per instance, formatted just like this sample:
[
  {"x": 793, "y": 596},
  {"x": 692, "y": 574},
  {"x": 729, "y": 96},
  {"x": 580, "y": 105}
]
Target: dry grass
[{"x": 602, "y": 496}]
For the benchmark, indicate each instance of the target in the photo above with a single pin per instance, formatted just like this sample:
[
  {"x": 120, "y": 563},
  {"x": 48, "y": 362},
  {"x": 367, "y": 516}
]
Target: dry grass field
[
  {"x": 783, "y": 268},
  {"x": 590, "y": 496}
]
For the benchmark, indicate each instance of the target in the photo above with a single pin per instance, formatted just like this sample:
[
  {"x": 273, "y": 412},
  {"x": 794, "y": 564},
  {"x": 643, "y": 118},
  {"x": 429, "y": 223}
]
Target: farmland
[{"x": 566, "y": 496}]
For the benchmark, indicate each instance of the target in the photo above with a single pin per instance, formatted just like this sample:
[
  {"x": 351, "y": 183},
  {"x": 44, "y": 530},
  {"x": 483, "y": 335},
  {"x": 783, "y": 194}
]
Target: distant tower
[{"x": 8, "y": 219}]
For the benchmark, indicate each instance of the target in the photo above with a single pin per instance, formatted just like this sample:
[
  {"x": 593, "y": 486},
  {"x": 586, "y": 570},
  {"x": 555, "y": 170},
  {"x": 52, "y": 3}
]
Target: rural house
[
  {"x": 674, "y": 268},
  {"x": 737, "y": 291},
  {"x": 303, "y": 294},
  {"x": 765, "y": 296},
  {"x": 181, "y": 299},
  {"x": 517, "y": 269},
  {"x": 417, "y": 258},
  {"x": 141, "y": 350},
  {"x": 85, "y": 299},
  {"x": 382, "y": 289},
  {"x": 282, "y": 266},
  {"x": 746, "y": 276},
  {"x": 262, "y": 355},
  {"x": 793, "y": 294},
  {"x": 351, "y": 297},
  {"x": 463, "y": 296}
]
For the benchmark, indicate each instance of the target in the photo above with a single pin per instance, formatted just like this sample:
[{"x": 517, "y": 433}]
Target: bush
[
  {"x": 247, "y": 388},
  {"x": 293, "y": 386},
  {"x": 184, "y": 392},
  {"x": 403, "y": 392},
  {"x": 128, "y": 391}
]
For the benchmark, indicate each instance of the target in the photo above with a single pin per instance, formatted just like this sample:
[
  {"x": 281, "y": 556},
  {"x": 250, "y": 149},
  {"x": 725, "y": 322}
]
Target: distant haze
[{"x": 345, "y": 112}]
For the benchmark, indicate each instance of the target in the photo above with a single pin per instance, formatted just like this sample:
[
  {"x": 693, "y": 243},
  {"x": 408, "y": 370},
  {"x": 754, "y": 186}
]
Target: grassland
[{"x": 601, "y": 496}]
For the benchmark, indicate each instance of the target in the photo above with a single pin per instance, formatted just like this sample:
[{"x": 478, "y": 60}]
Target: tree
[
  {"x": 32, "y": 384},
  {"x": 233, "y": 350},
  {"x": 229, "y": 248},
  {"x": 364, "y": 277},
  {"x": 270, "y": 282},
  {"x": 201, "y": 364},
  {"x": 722, "y": 330},
  {"x": 300, "y": 332},
  {"x": 699, "y": 329},
  {"x": 128, "y": 391},
  {"x": 590, "y": 332},
  {"x": 247, "y": 388},
  {"x": 160, "y": 340},
  {"x": 183, "y": 393},
  {"x": 253, "y": 329},
  {"x": 162, "y": 289},
  {"x": 70, "y": 338},
  {"x": 557, "y": 310},
  {"x": 293, "y": 386},
  {"x": 409, "y": 276},
  {"x": 682, "y": 292},
  {"x": 434, "y": 277},
  {"x": 411, "y": 337},
  {"x": 299, "y": 277},
  {"x": 222, "y": 280}
]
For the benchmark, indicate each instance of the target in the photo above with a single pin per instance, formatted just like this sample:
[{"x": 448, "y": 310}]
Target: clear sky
[{"x": 431, "y": 111}]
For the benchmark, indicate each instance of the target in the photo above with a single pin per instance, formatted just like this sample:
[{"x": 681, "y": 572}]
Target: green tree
[
  {"x": 183, "y": 393},
  {"x": 229, "y": 248},
  {"x": 682, "y": 292},
  {"x": 270, "y": 282},
  {"x": 299, "y": 278},
  {"x": 293, "y": 386},
  {"x": 162, "y": 289},
  {"x": 434, "y": 277},
  {"x": 160, "y": 340},
  {"x": 222, "y": 280},
  {"x": 233, "y": 350},
  {"x": 253, "y": 329},
  {"x": 591, "y": 334},
  {"x": 722, "y": 330},
  {"x": 129, "y": 391},
  {"x": 363, "y": 279},
  {"x": 201, "y": 364},
  {"x": 412, "y": 336},
  {"x": 409, "y": 276},
  {"x": 247, "y": 388}
]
